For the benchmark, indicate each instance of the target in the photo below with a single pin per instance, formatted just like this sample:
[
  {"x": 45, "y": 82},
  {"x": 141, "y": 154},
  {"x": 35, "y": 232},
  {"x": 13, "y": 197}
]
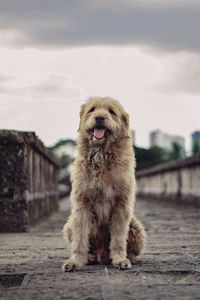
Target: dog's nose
[{"x": 99, "y": 119}]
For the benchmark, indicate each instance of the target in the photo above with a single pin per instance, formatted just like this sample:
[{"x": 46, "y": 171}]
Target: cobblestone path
[{"x": 30, "y": 263}]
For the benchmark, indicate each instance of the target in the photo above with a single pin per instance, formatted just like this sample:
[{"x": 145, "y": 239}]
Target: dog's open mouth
[{"x": 99, "y": 133}]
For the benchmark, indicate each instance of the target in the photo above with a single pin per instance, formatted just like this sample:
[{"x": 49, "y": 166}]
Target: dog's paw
[
  {"x": 123, "y": 264},
  {"x": 132, "y": 258},
  {"x": 71, "y": 265},
  {"x": 92, "y": 259}
]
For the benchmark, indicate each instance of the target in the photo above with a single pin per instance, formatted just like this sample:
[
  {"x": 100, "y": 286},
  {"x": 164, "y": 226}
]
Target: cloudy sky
[{"x": 145, "y": 53}]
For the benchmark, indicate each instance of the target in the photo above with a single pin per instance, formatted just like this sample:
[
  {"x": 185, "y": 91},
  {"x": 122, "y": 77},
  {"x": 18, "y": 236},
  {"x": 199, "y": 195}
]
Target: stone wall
[
  {"x": 28, "y": 180},
  {"x": 177, "y": 180}
]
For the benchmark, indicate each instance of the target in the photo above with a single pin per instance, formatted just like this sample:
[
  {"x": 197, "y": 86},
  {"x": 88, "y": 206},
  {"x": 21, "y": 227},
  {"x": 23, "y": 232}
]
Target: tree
[
  {"x": 177, "y": 151},
  {"x": 63, "y": 142},
  {"x": 195, "y": 148},
  {"x": 65, "y": 160},
  {"x": 149, "y": 157}
]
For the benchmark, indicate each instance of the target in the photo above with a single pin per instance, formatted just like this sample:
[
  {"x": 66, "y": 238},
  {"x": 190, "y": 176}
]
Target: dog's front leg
[
  {"x": 119, "y": 233},
  {"x": 81, "y": 221}
]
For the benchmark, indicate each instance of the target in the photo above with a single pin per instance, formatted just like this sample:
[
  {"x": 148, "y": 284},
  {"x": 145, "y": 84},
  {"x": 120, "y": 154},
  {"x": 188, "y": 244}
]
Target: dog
[{"x": 102, "y": 227}]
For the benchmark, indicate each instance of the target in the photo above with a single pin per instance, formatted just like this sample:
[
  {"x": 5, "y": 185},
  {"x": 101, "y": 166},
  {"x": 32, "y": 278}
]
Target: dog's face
[{"x": 103, "y": 119}]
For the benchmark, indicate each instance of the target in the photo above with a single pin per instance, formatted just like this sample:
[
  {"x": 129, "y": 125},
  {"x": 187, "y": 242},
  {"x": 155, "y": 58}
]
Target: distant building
[
  {"x": 132, "y": 132},
  {"x": 165, "y": 140},
  {"x": 196, "y": 141}
]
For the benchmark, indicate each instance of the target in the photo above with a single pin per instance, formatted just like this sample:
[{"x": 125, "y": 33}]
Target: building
[
  {"x": 165, "y": 140},
  {"x": 132, "y": 133},
  {"x": 196, "y": 141}
]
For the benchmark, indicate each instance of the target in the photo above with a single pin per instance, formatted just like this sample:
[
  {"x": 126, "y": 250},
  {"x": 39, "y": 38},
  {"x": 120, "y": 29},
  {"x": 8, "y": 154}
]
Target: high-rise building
[
  {"x": 165, "y": 140},
  {"x": 132, "y": 132},
  {"x": 196, "y": 141}
]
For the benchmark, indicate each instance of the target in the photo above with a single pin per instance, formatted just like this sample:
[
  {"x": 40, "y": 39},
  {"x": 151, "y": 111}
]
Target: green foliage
[
  {"x": 63, "y": 142},
  {"x": 65, "y": 161},
  {"x": 156, "y": 155},
  {"x": 149, "y": 157},
  {"x": 195, "y": 148},
  {"x": 177, "y": 151}
]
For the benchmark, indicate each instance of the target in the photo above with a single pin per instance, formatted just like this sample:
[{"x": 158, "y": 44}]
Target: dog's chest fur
[
  {"x": 99, "y": 160},
  {"x": 100, "y": 185}
]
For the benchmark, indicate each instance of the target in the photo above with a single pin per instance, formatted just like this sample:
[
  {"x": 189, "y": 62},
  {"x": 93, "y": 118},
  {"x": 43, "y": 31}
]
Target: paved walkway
[{"x": 30, "y": 263}]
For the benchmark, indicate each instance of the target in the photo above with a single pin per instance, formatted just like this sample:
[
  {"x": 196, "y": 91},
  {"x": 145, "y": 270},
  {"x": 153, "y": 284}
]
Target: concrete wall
[
  {"x": 28, "y": 180},
  {"x": 177, "y": 180}
]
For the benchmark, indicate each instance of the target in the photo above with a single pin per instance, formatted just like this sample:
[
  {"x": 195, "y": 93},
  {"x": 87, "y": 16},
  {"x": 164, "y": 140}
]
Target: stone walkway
[{"x": 30, "y": 263}]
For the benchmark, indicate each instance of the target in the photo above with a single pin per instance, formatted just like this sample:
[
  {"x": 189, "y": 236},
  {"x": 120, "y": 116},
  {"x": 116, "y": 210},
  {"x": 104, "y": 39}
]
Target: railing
[
  {"x": 177, "y": 180},
  {"x": 28, "y": 180}
]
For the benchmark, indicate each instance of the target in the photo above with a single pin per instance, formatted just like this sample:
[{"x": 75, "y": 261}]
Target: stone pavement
[{"x": 30, "y": 263}]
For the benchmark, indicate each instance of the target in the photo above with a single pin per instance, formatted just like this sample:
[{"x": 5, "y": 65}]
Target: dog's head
[{"x": 103, "y": 120}]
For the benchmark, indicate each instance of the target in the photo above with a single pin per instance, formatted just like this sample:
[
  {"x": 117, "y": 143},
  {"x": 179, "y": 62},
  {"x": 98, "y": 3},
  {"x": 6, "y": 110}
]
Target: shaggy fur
[{"x": 102, "y": 226}]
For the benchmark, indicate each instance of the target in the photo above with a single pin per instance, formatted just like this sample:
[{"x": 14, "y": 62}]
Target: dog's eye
[
  {"x": 91, "y": 109},
  {"x": 111, "y": 111}
]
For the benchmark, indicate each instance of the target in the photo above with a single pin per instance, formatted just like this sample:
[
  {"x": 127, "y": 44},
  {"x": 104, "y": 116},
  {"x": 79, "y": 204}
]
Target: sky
[{"x": 54, "y": 54}]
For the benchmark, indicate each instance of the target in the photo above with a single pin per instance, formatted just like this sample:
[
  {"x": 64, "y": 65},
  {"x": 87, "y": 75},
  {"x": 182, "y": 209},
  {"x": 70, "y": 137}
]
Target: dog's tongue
[{"x": 99, "y": 133}]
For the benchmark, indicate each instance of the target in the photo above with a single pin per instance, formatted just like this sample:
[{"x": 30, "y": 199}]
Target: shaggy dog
[{"x": 102, "y": 226}]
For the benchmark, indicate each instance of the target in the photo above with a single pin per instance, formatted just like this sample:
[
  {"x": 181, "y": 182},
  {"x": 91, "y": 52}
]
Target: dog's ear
[
  {"x": 81, "y": 114},
  {"x": 82, "y": 110},
  {"x": 125, "y": 119}
]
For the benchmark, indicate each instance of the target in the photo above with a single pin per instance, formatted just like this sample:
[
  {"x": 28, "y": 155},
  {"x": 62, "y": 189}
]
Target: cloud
[
  {"x": 54, "y": 87},
  {"x": 180, "y": 73},
  {"x": 5, "y": 78},
  {"x": 171, "y": 25}
]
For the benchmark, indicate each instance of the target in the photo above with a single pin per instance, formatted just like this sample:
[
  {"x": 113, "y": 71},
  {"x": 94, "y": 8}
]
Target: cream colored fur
[{"x": 103, "y": 191}]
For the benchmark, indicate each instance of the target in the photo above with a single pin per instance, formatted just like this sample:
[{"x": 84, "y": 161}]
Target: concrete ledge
[
  {"x": 13, "y": 137},
  {"x": 171, "y": 166},
  {"x": 173, "y": 199},
  {"x": 177, "y": 181},
  {"x": 28, "y": 180}
]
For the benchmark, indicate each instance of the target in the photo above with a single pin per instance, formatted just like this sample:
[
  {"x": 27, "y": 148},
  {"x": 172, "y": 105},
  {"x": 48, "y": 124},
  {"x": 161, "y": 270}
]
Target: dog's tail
[
  {"x": 136, "y": 237},
  {"x": 67, "y": 232}
]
